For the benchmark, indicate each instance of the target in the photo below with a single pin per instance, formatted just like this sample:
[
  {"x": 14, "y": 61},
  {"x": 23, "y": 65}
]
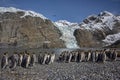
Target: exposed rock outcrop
[
  {"x": 84, "y": 38},
  {"x": 18, "y": 29}
]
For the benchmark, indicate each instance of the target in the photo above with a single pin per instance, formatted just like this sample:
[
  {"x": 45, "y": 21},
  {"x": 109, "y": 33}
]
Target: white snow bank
[
  {"x": 27, "y": 12},
  {"x": 110, "y": 39}
]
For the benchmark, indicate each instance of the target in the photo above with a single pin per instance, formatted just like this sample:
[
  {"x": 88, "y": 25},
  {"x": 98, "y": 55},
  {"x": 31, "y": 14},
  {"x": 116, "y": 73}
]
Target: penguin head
[{"x": 5, "y": 53}]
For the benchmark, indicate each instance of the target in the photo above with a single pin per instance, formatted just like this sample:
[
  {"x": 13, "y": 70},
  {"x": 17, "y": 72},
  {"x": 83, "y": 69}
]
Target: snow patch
[
  {"x": 118, "y": 18},
  {"x": 110, "y": 39},
  {"x": 27, "y": 12},
  {"x": 106, "y": 13},
  {"x": 67, "y": 30},
  {"x": 104, "y": 19}
]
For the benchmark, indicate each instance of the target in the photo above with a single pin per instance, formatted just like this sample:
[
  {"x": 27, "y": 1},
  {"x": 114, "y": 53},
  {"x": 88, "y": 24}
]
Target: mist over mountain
[{"x": 25, "y": 28}]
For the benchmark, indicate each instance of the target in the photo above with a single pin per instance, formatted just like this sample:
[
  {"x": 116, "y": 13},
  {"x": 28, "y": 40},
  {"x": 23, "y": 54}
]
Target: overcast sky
[{"x": 71, "y": 10}]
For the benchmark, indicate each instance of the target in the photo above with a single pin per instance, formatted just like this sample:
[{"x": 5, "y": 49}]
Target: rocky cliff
[{"x": 20, "y": 28}]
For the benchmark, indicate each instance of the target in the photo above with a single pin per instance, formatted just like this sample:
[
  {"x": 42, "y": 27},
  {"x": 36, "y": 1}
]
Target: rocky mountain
[
  {"x": 25, "y": 28},
  {"x": 21, "y": 28},
  {"x": 98, "y": 30}
]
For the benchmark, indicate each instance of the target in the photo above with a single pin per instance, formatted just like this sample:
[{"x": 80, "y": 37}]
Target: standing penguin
[
  {"x": 87, "y": 56},
  {"x": 40, "y": 58},
  {"x": 108, "y": 53},
  {"x": 51, "y": 58},
  {"x": 47, "y": 61},
  {"x": 114, "y": 55},
  {"x": 44, "y": 57},
  {"x": 82, "y": 58},
  {"x": 62, "y": 56},
  {"x": 93, "y": 56},
  {"x": 4, "y": 61},
  {"x": 24, "y": 59},
  {"x": 14, "y": 60},
  {"x": 33, "y": 59},
  {"x": 79, "y": 56},
  {"x": 20, "y": 58},
  {"x": 27, "y": 60},
  {"x": 103, "y": 56},
  {"x": 74, "y": 56},
  {"x": 70, "y": 56},
  {"x": 97, "y": 57},
  {"x": 67, "y": 57}
]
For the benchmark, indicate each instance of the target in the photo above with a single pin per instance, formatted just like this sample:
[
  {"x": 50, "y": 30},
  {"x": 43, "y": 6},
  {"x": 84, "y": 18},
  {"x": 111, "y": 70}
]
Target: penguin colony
[
  {"x": 85, "y": 56},
  {"x": 26, "y": 60}
]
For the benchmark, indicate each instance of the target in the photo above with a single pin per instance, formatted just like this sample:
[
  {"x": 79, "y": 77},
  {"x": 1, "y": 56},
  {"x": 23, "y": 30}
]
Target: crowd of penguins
[
  {"x": 26, "y": 59},
  {"x": 90, "y": 55}
]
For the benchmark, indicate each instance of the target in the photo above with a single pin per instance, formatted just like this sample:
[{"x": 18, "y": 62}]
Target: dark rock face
[
  {"x": 84, "y": 38},
  {"x": 88, "y": 38},
  {"x": 30, "y": 32}
]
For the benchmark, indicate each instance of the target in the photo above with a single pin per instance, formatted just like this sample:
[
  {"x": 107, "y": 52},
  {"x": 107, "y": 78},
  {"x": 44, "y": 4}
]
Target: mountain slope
[
  {"x": 25, "y": 28},
  {"x": 20, "y": 28},
  {"x": 97, "y": 28}
]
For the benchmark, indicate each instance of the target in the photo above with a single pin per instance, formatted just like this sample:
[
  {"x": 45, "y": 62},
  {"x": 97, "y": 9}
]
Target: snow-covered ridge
[
  {"x": 105, "y": 13},
  {"x": 27, "y": 12},
  {"x": 110, "y": 39},
  {"x": 67, "y": 30},
  {"x": 66, "y": 23},
  {"x": 104, "y": 19}
]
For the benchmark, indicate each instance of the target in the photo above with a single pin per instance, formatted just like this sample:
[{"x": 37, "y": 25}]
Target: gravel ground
[{"x": 66, "y": 71}]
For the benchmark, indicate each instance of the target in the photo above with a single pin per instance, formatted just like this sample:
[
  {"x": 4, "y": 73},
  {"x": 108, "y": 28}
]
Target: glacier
[{"x": 67, "y": 30}]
